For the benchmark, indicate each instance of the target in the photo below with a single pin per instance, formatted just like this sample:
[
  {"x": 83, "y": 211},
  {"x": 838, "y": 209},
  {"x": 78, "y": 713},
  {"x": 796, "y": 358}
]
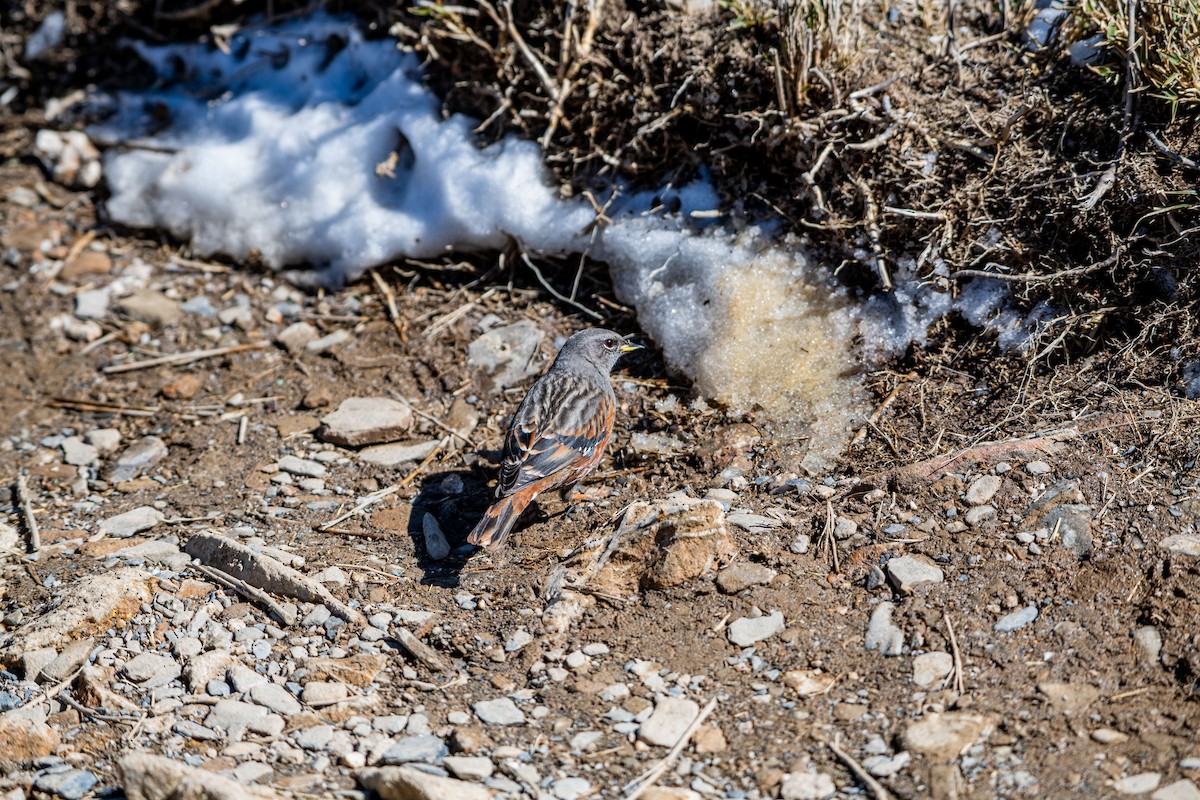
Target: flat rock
[
  {"x": 743, "y": 575},
  {"x": 1069, "y": 698},
  {"x": 570, "y": 788},
  {"x": 357, "y": 670},
  {"x": 323, "y": 693},
  {"x": 133, "y": 521},
  {"x": 90, "y": 606},
  {"x": 359, "y": 421},
  {"x": 23, "y": 739},
  {"x": 883, "y": 634},
  {"x": 749, "y": 630},
  {"x": 71, "y": 784},
  {"x": 139, "y": 457},
  {"x": 92, "y": 304},
  {"x": 152, "y": 670},
  {"x": 33, "y": 661},
  {"x": 908, "y": 572},
  {"x": 295, "y": 337},
  {"x": 1016, "y": 620},
  {"x": 78, "y": 453},
  {"x": 407, "y": 783},
  {"x": 1187, "y": 544},
  {"x": 931, "y": 667},
  {"x": 507, "y": 353},
  {"x": 105, "y": 440},
  {"x": 151, "y": 307},
  {"x": 425, "y": 748},
  {"x": 806, "y": 786},
  {"x": 753, "y": 523},
  {"x": 243, "y": 679},
  {"x": 945, "y": 736},
  {"x": 1179, "y": 790},
  {"x": 808, "y": 682},
  {"x": 983, "y": 489},
  {"x": 274, "y": 697},
  {"x": 205, "y": 668},
  {"x": 396, "y": 453},
  {"x": 305, "y": 468},
  {"x": 469, "y": 768},
  {"x": 501, "y": 711},
  {"x": 149, "y": 777},
  {"x": 671, "y": 717},
  {"x": 1138, "y": 784}
]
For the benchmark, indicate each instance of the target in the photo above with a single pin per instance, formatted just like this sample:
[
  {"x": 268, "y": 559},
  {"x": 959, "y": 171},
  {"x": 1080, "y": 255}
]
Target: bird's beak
[{"x": 629, "y": 347}]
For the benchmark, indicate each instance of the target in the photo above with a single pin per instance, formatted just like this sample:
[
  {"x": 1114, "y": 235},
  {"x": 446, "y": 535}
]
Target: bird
[{"x": 558, "y": 433}]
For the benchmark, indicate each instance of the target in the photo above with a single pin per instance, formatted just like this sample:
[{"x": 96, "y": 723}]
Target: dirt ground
[{"x": 1070, "y": 487}]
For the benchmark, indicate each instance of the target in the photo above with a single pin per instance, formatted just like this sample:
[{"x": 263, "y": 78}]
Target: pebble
[
  {"x": 92, "y": 304},
  {"x": 274, "y": 697},
  {"x": 945, "y": 736},
  {"x": 806, "y": 786},
  {"x": 1017, "y": 619},
  {"x": 329, "y": 342},
  {"x": 131, "y": 522},
  {"x": 883, "y": 634},
  {"x": 517, "y": 640},
  {"x": 243, "y": 679},
  {"x": 1149, "y": 642},
  {"x": 1109, "y": 736},
  {"x": 983, "y": 489},
  {"x": 800, "y": 544},
  {"x": 1037, "y": 468},
  {"x": 302, "y": 466},
  {"x": 360, "y": 421},
  {"x": 323, "y": 693},
  {"x": 749, "y": 630},
  {"x": 743, "y": 575},
  {"x": 570, "y": 788},
  {"x": 507, "y": 353},
  {"x": 152, "y": 670},
  {"x": 435, "y": 540},
  {"x": 77, "y": 453},
  {"x": 669, "y": 720},
  {"x": 105, "y": 440},
  {"x": 151, "y": 307},
  {"x": 1138, "y": 784},
  {"x": 1179, "y": 790},
  {"x": 396, "y": 453},
  {"x": 753, "y": 523},
  {"x": 979, "y": 514},
  {"x": 422, "y": 747},
  {"x": 469, "y": 768},
  {"x": 907, "y": 572},
  {"x": 72, "y": 657},
  {"x": 137, "y": 458},
  {"x": 1187, "y": 544},
  {"x": 501, "y": 711},
  {"x": 71, "y": 784},
  {"x": 194, "y": 730},
  {"x": 931, "y": 667},
  {"x": 315, "y": 738}
]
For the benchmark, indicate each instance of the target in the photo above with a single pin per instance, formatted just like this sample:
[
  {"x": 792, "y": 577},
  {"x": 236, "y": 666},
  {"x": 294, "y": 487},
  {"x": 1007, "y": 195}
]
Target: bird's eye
[{"x": 610, "y": 343}]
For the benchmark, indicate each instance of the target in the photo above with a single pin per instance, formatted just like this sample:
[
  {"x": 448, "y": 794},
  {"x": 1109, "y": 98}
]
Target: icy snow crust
[{"x": 307, "y": 145}]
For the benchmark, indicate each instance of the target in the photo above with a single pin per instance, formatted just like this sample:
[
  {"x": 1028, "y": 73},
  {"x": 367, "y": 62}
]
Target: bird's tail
[{"x": 498, "y": 520}]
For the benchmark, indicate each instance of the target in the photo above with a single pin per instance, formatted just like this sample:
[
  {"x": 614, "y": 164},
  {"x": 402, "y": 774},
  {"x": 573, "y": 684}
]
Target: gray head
[{"x": 595, "y": 346}]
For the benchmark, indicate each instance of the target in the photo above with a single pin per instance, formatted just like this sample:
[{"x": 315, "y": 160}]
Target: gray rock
[
  {"x": 33, "y": 661},
  {"x": 323, "y": 693},
  {"x": 274, "y": 697},
  {"x": 1017, "y": 619},
  {"x": 844, "y": 528},
  {"x": 806, "y": 786},
  {"x": 329, "y": 342},
  {"x": 501, "y": 711},
  {"x": 131, "y": 522},
  {"x": 1179, "y": 790},
  {"x": 105, "y": 440},
  {"x": 931, "y": 667},
  {"x": 435, "y": 541},
  {"x": 749, "y": 630},
  {"x": 1138, "y": 784},
  {"x": 71, "y": 784},
  {"x": 753, "y": 523},
  {"x": 517, "y": 640},
  {"x": 295, "y": 337},
  {"x": 983, "y": 489},
  {"x": 194, "y": 730},
  {"x": 314, "y": 738},
  {"x": 236, "y": 717},
  {"x": 205, "y": 668},
  {"x": 508, "y": 353},
  {"x": 359, "y": 421},
  {"x": 396, "y": 453},
  {"x": 1037, "y": 468},
  {"x": 671, "y": 717},
  {"x": 979, "y": 514},
  {"x": 408, "y": 782},
  {"x": 77, "y": 453},
  {"x": 92, "y": 304},
  {"x": 1150, "y": 642},
  {"x": 1187, "y": 544},
  {"x": 570, "y": 788},
  {"x": 140, "y": 456},
  {"x": 241, "y": 316},
  {"x": 72, "y": 657},
  {"x": 151, "y": 307},
  {"x": 907, "y": 572},
  {"x": 469, "y": 768},
  {"x": 152, "y": 670},
  {"x": 295, "y": 465},
  {"x": 424, "y": 748},
  {"x": 1074, "y": 526},
  {"x": 887, "y": 766},
  {"x": 743, "y": 575},
  {"x": 883, "y": 634},
  {"x": 243, "y": 679}
]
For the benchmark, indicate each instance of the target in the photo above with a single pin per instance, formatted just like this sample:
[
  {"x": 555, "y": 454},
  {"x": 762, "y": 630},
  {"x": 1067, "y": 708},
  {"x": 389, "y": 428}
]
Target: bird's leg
[{"x": 569, "y": 495}]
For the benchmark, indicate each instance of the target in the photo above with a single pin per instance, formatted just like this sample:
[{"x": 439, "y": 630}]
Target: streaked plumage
[{"x": 559, "y": 431}]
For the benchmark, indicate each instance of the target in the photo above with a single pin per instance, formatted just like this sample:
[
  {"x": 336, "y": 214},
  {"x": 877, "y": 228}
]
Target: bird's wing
[{"x": 561, "y": 423}]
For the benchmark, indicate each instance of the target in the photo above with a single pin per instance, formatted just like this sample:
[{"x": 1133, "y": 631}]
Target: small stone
[
  {"x": 1016, "y": 620},
  {"x": 241, "y": 316},
  {"x": 570, "y": 788},
  {"x": 743, "y": 575},
  {"x": 361, "y": 421},
  {"x": 435, "y": 541},
  {"x": 507, "y": 353},
  {"x": 151, "y": 307},
  {"x": 185, "y": 387},
  {"x": 323, "y": 693},
  {"x": 295, "y": 465},
  {"x": 243, "y": 679},
  {"x": 753, "y": 523},
  {"x": 1069, "y": 698},
  {"x": 408, "y": 783},
  {"x": 274, "y": 697},
  {"x": 844, "y": 528},
  {"x": 1109, "y": 736},
  {"x": 1187, "y": 544},
  {"x": 808, "y": 682},
  {"x": 749, "y": 630},
  {"x": 137, "y": 458},
  {"x": 931, "y": 667},
  {"x": 800, "y": 544},
  {"x": 517, "y": 640},
  {"x": 105, "y": 440},
  {"x": 24, "y": 739},
  {"x": 1179, "y": 790},
  {"x": 671, "y": 717},
  {"x": 907, "y": 572},
  {"x": 710, "y": 739},
  {"x": 71, "y": 784},
  {"x": 314, "y": 738},
  {"x": 77, "y": 453},
  {"x": 152, "y": 670},
  {"x": 194, "y": 730},
  {"x": 396, "y": 453},
  {"x": 329, "y": 342},
  {"x": 983, "y": 489},
  {"x": 205, "y": 668},
  {"x": 296, "y": 337},
  {"x": 1149, "y": 642},
  {"x": 33, "y": 661},
  {"x": 423, "y": 747},
  {"x": 945, "y": 736},
  {"x": 883, "y": 634},
  {"x": 501, "y": 711},
  {"x": 979, "y": 514},
  {"x": 1138, "y": 784},
  {"x": 469, "y": 768},
  {"x": 1037, "y": 468},
  {"x": 885, "y": 767},
  {"x": 72, "y": 657},
  {"x": 806, "y": 786},
  {"x": 131, "y": 522},
  {"x": 92, "y": 304}
]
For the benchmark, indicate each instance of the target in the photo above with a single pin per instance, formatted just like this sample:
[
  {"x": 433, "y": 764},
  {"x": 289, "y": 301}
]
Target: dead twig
[
  {"x": 390, "y": 298},
  {"x": 873, "y": 420},
  {"x": 873, "y": 786},
  {"x": 956, "y": 675},
  {"x": 72, "y": 404},
  {"x": 1033, "y": 277},
  {"x": 179, "y": 359},
  {"x": 247, "y": 591},
  {"x": 1182, "y": 161},
  {"x": 367, "y": 502},
  {"x": 31, "y": 526},
  {"x": 1109, "y": 177},
  {"x": 557, "y": 295},
  {"x": 637, "y": 786}
]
